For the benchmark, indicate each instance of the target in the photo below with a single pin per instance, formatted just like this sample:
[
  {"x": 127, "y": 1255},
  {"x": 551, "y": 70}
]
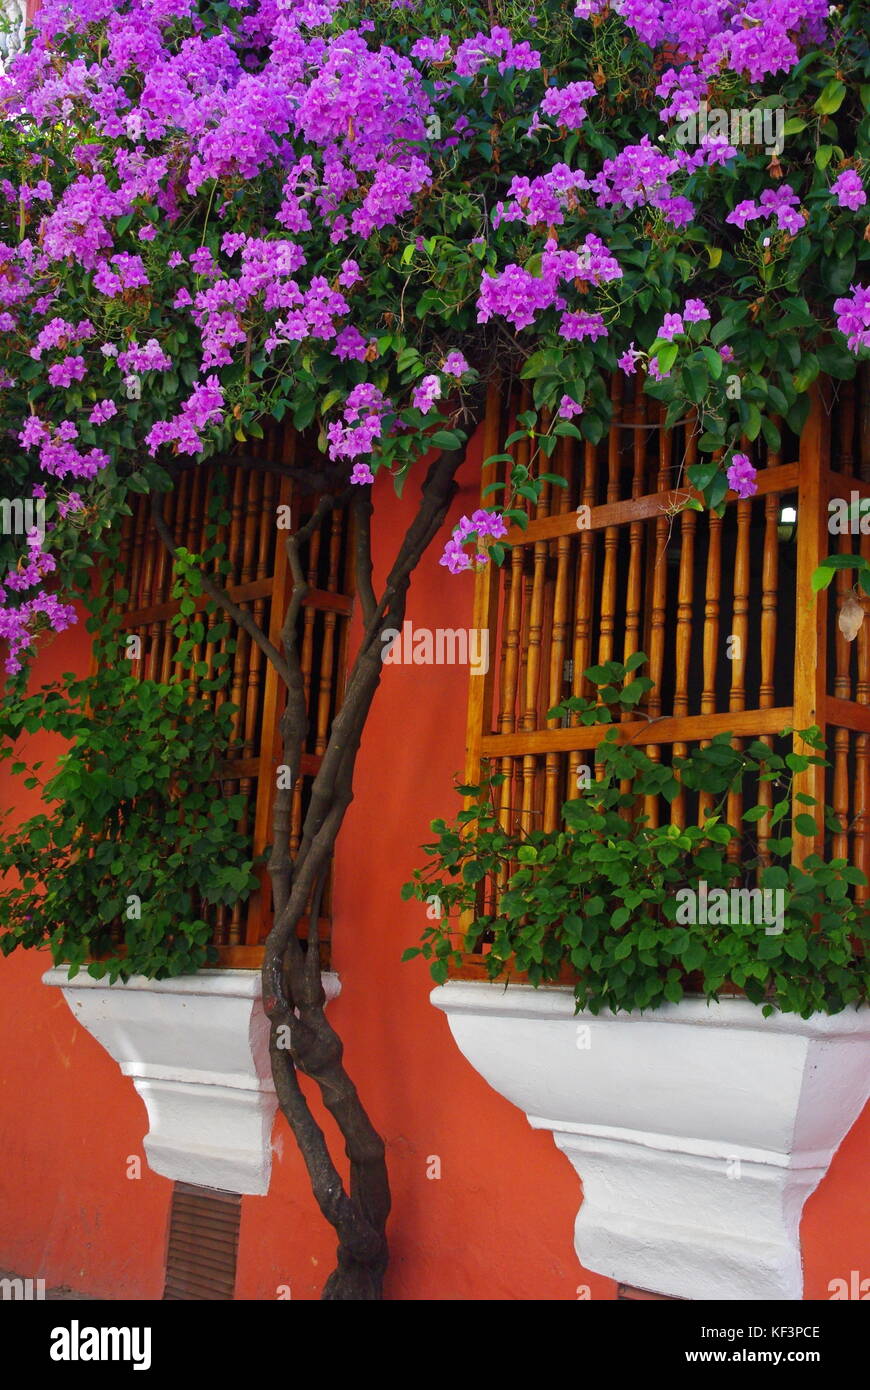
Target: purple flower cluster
[
  {"x": 519, "y": 296},
  {"x": 695, "y": 311},
  {"x": 853, "y": 316},
  {"x": 564, "y": 105},
  {"x": 575, "y": 326},
  {"x": 365, "y": 412},
  {"x": 79, "y": 225},
  {"x": 627, "y": 363},
  {"x": 203, "y": 406},
  {"x": 848, "y": 190},
  {"x": 168, "y": 112},
  {"x": 57, "y": 333},
  {"x": 495, "y": 47},
  {"x": 150, "y": 358},
  {"x": 18, "y": 623},
  {"x": 66, "y": 372},
  {"x": 682, "y": 90},
  {"x": 32, "y": 569},
  {"x": 742, "y": 476},
  {"x": 480, "y": 524},
  {"x": 454, "y": 364},
  {"x": 515, "y": 294},
  {"x": 350, "y": 345},
  {"x": 58, "y": 455},
  {"x": 73, "y": 502},
  {"x": 751, "y": 37},
  {"x": 639, "y": 177},
  {"x": 103, "y": 411},
  {"x": 778, "y": 202},
  {"x": 427, "y": 393},
  {"x": 673, "y": 324},
  {"x": 541, "y": 201},
  {"x": 432, "y": 50}
]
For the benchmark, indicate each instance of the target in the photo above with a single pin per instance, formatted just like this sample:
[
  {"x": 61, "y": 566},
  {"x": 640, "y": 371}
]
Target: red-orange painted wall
[{"x": 498, "y": 1224}]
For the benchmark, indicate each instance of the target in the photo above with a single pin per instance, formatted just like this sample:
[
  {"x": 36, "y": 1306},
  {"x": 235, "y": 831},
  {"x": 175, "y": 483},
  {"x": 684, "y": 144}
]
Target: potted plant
[{"x": 707, "y": 1056}]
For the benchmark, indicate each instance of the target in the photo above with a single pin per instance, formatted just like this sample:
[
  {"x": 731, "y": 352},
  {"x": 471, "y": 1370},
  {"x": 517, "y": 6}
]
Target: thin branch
[
  {"x": 312, "y": 479},
  {"x": 242, "y": 618},
  {"x": 293, "y": 724},
  {"x": 334, "y": 776},
  {"x": 363, "y": 510}
]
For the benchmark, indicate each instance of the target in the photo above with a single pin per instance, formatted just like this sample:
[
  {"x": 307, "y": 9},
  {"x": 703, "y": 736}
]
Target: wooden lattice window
[
  {"x": 259, "y": 582},
  {"x": 675, "y": 583}
]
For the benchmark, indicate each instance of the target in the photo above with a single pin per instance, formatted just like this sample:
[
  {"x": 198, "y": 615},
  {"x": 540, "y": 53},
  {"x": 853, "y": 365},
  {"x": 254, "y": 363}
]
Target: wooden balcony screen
[
  {"x": 259, "y": 582},
  {"x": 677, "y": 584}
]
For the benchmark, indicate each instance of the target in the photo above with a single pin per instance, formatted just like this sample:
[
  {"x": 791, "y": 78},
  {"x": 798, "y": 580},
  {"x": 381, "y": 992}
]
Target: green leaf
[
  {"x": 772, "y": 436},
  {"x": 714, "y": 362},
  {"x": 805, "y": 825},
  {"x": 831, "y": 98},
  {"x": 304, "y": 414},
  {"x": 806, "y": 372},
  {"x": 667, "y": 356},
  {"x": 446, "y": 439},
  {"x": 545, "y": 362}
]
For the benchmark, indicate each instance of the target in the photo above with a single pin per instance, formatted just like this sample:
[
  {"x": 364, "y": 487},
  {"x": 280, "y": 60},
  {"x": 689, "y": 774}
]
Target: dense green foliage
[
  {"x": 137, "y": 833},
  {"x": 602, "y": 896}
]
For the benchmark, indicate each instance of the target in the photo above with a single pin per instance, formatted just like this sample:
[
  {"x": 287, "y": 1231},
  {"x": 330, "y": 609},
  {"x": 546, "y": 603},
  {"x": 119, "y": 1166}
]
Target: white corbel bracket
[
  {"x": 197, "y": 1050},
  {"x": 698, "y": 1130}
]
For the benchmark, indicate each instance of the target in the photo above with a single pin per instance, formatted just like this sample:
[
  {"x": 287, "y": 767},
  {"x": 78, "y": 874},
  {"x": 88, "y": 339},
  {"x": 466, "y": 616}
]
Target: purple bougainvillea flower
[
  {"x": 742, "y": 476},
  {"x": 672, "y": 325},
  {"x": 853, "y": 316},
  {"x": 568, "y": 408},
  {"x": 454, "y": 364},
  {"x": 427, "y": 393},
  {"x": 103, "y": 411},
  {"x": 848, "y": 190},
  {"x": 695, "y": 311},
  {"x": 629, "y": 360}
]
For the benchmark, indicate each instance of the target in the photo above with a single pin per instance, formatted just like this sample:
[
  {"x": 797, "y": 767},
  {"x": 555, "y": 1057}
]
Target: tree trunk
[{"x": 302, "y": 1039}]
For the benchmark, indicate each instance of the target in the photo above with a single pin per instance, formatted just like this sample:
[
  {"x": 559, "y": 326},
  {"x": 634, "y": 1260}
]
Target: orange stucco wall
[{"x": 498, "y": 1222}]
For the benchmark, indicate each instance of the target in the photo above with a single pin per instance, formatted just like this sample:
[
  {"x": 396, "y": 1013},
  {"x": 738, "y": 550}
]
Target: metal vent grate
[{"x": 203, "y": 1243}]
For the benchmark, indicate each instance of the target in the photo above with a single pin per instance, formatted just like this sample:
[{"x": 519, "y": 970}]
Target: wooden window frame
[
  {"x": 534, "y": 649},
  {"x": 273, "y": 590}
]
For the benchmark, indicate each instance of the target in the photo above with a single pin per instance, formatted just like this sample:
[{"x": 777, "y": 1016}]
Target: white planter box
[
  {"x": 197, "y": 1049},
  {"x": 698, "y": 1130}
]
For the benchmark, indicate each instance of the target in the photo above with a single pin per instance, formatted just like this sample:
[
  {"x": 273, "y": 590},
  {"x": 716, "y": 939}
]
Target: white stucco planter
[
  {"x": 197, "y": 1049},
  {"x": 698, "y": 1130}
]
